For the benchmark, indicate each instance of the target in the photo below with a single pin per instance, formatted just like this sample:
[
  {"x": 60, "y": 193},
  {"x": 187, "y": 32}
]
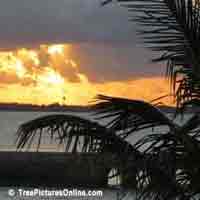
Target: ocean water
[{"x": 9, "y": 123}]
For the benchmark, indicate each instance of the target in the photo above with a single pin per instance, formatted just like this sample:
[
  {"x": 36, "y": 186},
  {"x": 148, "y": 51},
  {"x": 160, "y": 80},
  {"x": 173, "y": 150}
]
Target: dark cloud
[
  {"x": 102, "y": 63},
  {"x": 27, "y": 22},
  {"x": 105, "y": 42}
]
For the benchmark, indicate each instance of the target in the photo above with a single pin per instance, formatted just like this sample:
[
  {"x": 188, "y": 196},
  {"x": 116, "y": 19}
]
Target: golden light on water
[{"x": 49, "y": 75}]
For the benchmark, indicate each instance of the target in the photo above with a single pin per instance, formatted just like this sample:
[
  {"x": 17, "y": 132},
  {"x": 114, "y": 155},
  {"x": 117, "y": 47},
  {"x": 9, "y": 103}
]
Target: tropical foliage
[
  {"x": 169, "y": 154},
  {"x": 77, "y": 134},
  {"x": 172, "y": 27},
  {"x": 169, "y": 167}
]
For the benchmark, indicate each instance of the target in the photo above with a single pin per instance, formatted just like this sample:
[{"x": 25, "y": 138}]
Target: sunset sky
[{"x": 69, "y": 51}]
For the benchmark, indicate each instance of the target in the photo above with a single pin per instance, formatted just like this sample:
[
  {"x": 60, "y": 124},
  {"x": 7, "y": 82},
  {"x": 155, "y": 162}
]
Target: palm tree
[
  {"x": 172, "y": 27},
  {"x": 166, "y": 161},
  {"x": 170, "y": 154}
]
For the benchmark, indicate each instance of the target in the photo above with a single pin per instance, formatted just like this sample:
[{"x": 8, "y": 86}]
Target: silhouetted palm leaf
[
  {"x": 170, "y": 154},
  {"x": 129, "y": 115},
  {"x": 66, "y": 129},
  {"x": 176, "y": 159},
  {"x": 77, "y": 134},
  {"x": 172, "y": 27}
]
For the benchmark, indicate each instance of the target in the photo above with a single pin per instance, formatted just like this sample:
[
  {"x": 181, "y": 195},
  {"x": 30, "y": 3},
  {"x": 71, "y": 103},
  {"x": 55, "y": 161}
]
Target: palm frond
[
  {"x": 77, "y": 134},
  {"x": 80, "y": 135},
  {"x": 171, "y": 155},
  {"x": 195, "y": 102},
  {"x": 103, "y": 3},
  {"x": 176, "y": 157},
  {"x": 62, "y": 128},
  {"x": 172, "y": 27},
  {"x": 129, "y": 115}
]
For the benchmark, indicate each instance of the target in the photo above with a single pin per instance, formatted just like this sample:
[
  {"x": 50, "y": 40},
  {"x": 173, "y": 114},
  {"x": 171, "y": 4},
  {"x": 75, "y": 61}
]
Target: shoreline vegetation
[
  {"x": 42, "y": 108},
  {"x": 10, "y": 107}
]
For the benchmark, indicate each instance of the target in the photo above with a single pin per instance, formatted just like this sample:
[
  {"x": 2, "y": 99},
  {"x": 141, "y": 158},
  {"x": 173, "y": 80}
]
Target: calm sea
[{"x": 9, "y": 122}]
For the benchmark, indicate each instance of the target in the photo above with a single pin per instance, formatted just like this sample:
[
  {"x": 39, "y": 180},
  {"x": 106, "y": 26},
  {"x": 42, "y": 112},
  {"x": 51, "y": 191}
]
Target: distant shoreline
[
  {"x": 14, "y": 107},
  {"x": 42, "y": 108}
]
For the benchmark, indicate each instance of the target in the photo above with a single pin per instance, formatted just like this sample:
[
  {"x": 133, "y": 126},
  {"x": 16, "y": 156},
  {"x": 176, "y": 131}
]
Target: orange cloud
[
  {"x": 8, "y": 78},
  {"x": 48, "y": 75},
  {"x": 143, "y": 89}
]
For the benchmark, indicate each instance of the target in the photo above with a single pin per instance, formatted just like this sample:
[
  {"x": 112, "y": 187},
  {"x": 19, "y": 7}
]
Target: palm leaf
[
  {"x": 128, "y": 115},
  {"x": 172, "y": 27},
  {"x": 80, "y": 135},
  {"x": 77, "y": 134},
  {"x": 177, "y": 155},
  {"x": 169, "y": 155}
]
